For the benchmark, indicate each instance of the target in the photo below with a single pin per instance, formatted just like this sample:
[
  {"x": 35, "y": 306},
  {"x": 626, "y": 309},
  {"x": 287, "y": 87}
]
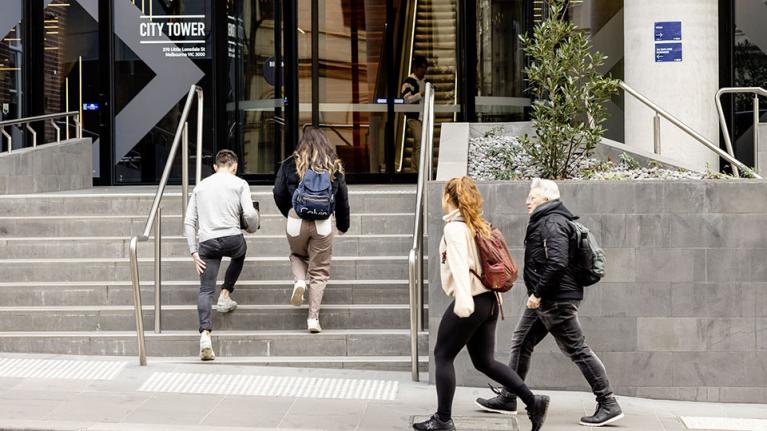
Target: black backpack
[{"x": 588, "y": 259}]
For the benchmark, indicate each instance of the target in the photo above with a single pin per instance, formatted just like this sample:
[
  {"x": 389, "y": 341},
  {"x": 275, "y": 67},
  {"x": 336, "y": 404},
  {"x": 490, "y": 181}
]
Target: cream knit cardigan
[{"x": 458, "y": 254}]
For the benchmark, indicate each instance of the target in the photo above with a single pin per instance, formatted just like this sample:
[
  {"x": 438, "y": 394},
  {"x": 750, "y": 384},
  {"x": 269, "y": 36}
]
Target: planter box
[
  {"x": 47, "y": 168},
  {"x": 682, "y": 312}
]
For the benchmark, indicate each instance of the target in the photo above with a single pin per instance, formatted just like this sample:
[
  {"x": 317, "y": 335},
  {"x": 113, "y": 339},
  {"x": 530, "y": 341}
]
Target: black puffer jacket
[
  {"x": 287, "y": 183},
  {"x": 548, "y": 273}
]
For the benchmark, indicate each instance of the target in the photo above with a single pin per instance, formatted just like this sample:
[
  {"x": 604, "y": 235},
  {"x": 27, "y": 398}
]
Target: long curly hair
[
  {"x": 315, "y": 152},
  {"x": 464, "y": 195}
]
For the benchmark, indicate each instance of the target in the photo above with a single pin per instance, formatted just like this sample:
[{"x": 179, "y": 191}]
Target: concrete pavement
[{"x": 49, "y": 392}]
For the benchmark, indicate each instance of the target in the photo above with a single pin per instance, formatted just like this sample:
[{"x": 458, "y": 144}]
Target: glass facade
[
  {"x": 749, "y": 69},
  {"x": 269, "y": 68},
  {"x": 11, "y": 63}
]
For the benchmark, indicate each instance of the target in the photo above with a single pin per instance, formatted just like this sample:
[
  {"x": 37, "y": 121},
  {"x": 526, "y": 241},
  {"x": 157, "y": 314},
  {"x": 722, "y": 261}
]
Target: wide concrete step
[
  {"x": 267, "y": 292},
  {"x": 172, "y": 224},
  {"x": 177, "y": 268},
  {"x": 184, "y": 317},
  {"x": 331, "y": 346},
  {"x": 258, "y": 245},
  {"x": 362, "y": 199}
]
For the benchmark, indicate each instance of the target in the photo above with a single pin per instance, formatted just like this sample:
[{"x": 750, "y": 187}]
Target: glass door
[
  {"x": 345, "y": 93},
  {"x": 71, "y": 69},
  {"x": 255, "y": 121}
]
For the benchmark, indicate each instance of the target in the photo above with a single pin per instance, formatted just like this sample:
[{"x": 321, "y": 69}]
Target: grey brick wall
[
  {"x": 682, "y": 312},
  {"x": 48, "y": 168}
]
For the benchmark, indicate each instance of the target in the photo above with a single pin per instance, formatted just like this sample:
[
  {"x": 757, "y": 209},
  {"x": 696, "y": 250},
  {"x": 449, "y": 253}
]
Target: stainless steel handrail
[
  {"x": 660, "y": 112},
  {"x": 154, "y": 217},
  {"x": 415, "y": 257},
  {"x": 26, "y": 122},
  {"x": 756, "y": 91},
  {"x": 411, "y": 26}
]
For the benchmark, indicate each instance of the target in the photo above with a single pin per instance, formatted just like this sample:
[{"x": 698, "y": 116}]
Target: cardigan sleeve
[{"x": 457, "y": 249}]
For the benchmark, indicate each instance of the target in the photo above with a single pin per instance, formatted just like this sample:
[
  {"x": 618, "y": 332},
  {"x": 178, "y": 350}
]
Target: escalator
[{"x": 433, "y": 34}]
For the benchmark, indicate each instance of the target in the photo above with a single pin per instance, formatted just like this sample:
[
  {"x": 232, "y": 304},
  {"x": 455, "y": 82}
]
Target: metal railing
[
  {"x": 27, "y": 123},
  {"x": 415, "y": 257},
  {"x": 756, "y": 91},
  {"x": 155, "y": 215},
  {"x": 406, "y": 60},
  {"x": 660, "y": 112}
]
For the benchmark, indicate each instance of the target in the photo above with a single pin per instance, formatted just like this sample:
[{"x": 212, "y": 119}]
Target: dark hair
[
  {"x": 419, "y": 61},
  {"x": 226, "y": 158}
]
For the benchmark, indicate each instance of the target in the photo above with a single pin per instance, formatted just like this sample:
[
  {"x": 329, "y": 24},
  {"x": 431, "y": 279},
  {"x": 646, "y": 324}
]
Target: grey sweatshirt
[{"x": 215, "y": 207}]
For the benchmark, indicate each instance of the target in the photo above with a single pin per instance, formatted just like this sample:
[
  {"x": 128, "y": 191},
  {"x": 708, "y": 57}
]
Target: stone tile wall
[
  {"x": 47, "y": 168},
  {"x": 682, "y": 312}
]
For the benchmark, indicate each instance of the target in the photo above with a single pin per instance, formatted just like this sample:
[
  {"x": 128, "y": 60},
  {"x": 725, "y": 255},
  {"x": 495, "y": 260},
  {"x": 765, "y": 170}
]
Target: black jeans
[
  {"x": 211, "y": 251},
  {"x": 477, "y": 333},
  {"x": 560, "y": 318}
]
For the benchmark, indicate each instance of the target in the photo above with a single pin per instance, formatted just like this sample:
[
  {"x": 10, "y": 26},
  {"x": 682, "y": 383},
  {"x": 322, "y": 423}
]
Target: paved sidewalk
[{"x": 107, "y": 393}]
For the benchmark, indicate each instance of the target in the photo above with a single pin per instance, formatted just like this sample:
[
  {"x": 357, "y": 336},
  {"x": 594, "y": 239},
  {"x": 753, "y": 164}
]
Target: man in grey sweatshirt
[{"x": 212, "y": 229}]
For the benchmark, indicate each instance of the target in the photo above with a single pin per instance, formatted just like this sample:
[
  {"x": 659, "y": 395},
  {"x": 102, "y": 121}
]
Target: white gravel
[{"x": 499, "y": 157}]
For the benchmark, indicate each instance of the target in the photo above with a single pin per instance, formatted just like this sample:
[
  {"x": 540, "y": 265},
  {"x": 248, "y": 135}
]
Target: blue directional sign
[
  {"x": 90, "y": 106},
  {"x": 668, "y": 52},
  {"x": 668, "y": 30}
]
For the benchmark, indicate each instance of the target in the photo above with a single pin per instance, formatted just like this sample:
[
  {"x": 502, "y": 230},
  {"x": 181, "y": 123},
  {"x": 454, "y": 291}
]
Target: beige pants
[{"x": 311, "y": 249}]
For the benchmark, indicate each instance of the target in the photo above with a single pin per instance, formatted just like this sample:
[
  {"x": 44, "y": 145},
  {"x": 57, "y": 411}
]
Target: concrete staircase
[{"x": 66, "y": 285}]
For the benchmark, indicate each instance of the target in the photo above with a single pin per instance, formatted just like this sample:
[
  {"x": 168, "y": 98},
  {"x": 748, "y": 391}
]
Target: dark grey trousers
[
  {"x": 560, "y": 318},
  {"x": 211, "y": 251}
]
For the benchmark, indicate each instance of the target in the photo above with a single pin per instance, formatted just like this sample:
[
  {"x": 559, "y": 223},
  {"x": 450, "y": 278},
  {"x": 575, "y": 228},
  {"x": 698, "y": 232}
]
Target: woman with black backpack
[
  {"x": 471, "y": 318},
  {"x": 310, "y": 189}
]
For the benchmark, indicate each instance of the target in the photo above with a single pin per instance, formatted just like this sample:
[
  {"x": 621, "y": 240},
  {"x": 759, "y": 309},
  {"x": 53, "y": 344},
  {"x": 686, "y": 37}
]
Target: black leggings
[{"x": 477, "y": 333}]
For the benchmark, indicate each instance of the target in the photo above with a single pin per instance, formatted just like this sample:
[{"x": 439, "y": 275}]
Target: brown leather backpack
[{"x": 499, "y": 272}]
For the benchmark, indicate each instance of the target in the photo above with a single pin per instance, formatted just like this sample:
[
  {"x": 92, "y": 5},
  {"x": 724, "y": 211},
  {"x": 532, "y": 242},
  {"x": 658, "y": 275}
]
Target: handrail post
[
  {"x": 138, "y": 309},
  {"x": 756, "y": 132},
  {"x": 34, "y": 135},
  {"x": 158, "y": 272},
  {"x": 413, "y": 317},
  {"x": 656, "y": 133},
  {"x": 184, "y": 170},
  {"x": 198, "y": 161},
  {"x": 58, "y": 131},
  {"x": 10, "y": 140}
]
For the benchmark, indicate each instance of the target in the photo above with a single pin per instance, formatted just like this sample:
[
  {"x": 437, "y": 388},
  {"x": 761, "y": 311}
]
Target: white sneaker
[
  {"x": 206, "y": 347},
  {"x": 226, "y": 305},
  {"x": 314, "y": 326},
  {"x": 299, "y": 287}
]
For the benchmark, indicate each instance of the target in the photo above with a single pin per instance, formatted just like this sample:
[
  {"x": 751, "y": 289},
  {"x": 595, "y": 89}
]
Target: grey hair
[{"x": 545, "y": 188}]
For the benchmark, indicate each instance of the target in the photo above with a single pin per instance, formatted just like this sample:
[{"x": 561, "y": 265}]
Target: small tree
[{"x": 569, "y": 94}]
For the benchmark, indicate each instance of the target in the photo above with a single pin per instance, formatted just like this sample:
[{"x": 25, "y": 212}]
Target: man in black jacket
[{"x": 552, "y": 306}]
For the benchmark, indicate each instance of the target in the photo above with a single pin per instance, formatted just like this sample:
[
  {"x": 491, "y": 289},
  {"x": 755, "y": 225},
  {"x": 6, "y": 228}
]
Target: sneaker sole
[
  {"x": 601, "y": 424},
  {"x": 503, "y": 412},
  {"x": 226, "y": 310},
  {"x": 315, "y": 331},
  {"x": 298, "y": 296},
  {"x": 207, "y": 354}
]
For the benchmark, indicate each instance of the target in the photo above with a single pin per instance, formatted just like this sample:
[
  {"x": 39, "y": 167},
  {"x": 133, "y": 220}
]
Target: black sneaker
[
  {"x": 434, "y": 424},
  {"x": 505, "y": 403},
  {"x": 537, "y": 413},
  {"x": 608, "y": 411}
]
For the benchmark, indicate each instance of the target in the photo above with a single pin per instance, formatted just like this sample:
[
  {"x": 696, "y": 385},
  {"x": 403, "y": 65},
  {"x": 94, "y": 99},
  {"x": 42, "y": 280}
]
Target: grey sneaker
[
  {"x": 225, "y": 305},
  {"x": 206, "y": 347}
]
